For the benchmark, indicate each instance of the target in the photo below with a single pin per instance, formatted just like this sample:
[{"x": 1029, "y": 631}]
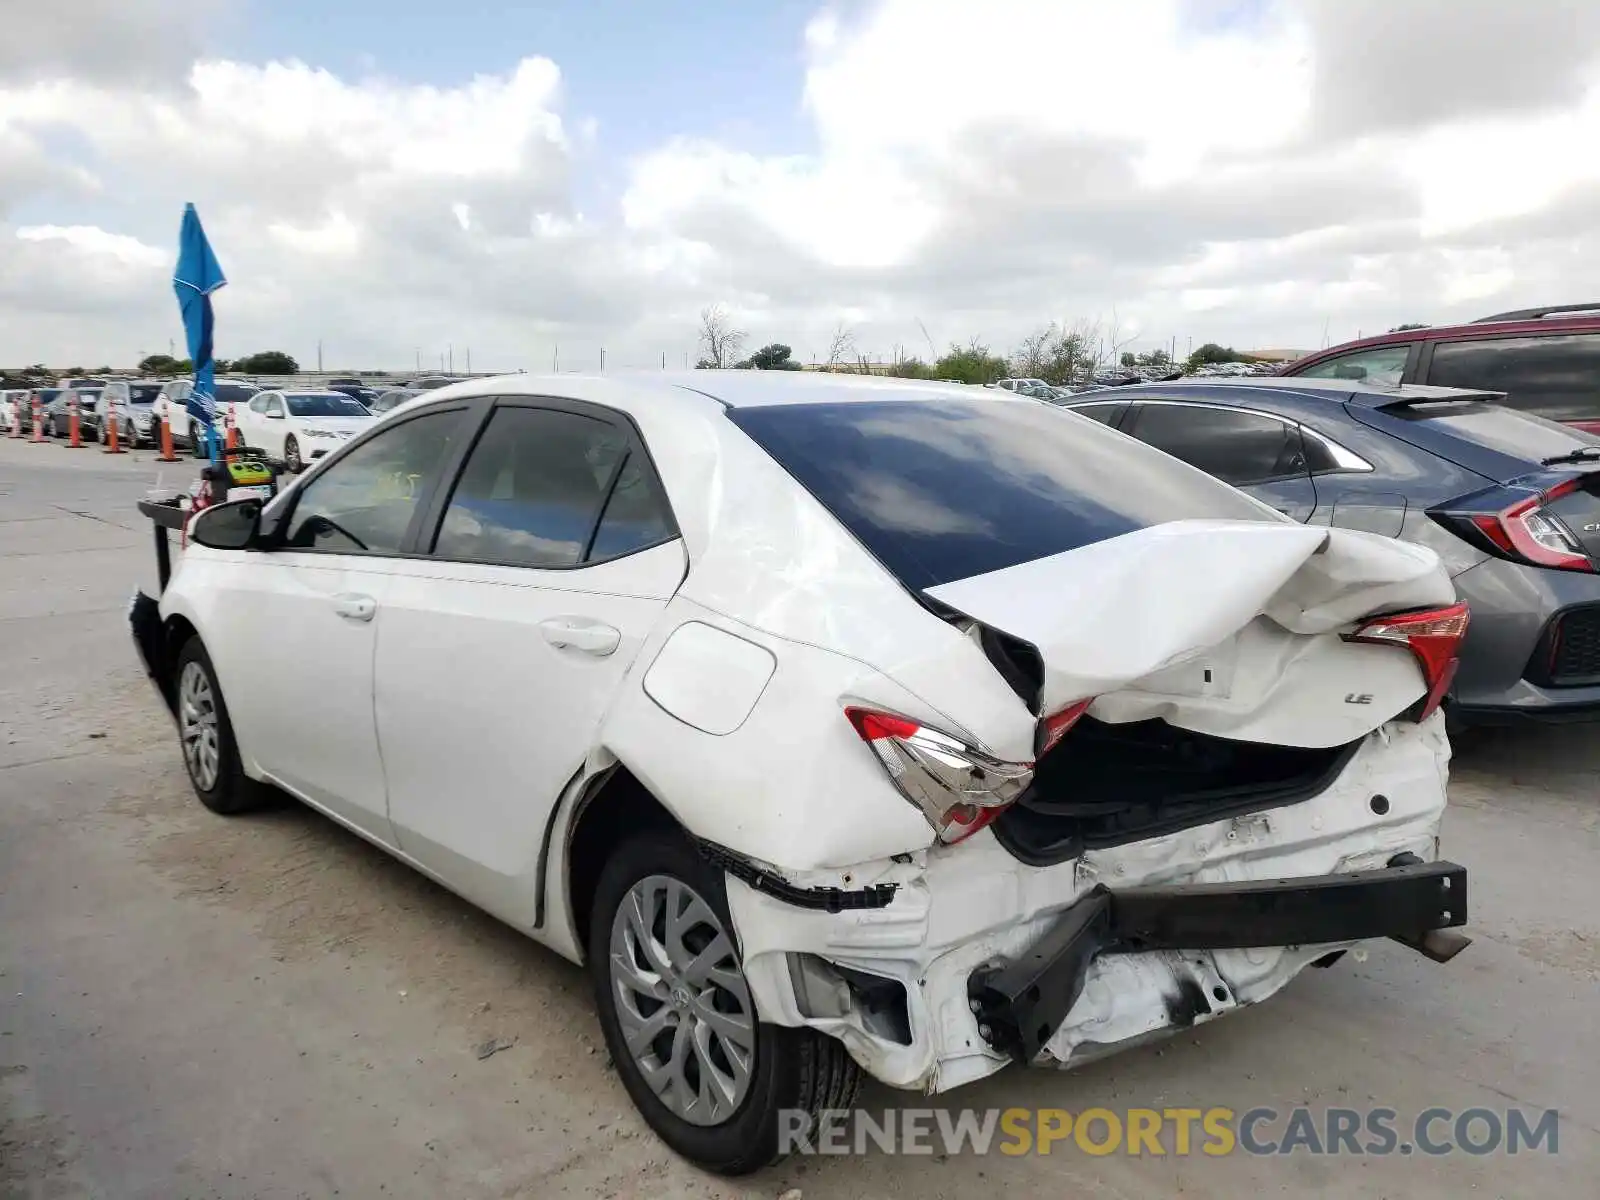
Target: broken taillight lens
[
  {"x": 958, "y": 787},
  {"x": 1434, "y": 639},
  {"x": 1526, "y": 533}
]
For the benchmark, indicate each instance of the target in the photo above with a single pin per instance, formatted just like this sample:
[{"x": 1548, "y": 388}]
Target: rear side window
[
  {"x": 1106, "y": 414},
  {"x": 538, "y": 484},
  {"x": 1385, "y": 365},
  {"x": 943, "y": 490},
  {"x": 1557, "y": 376},
  {"x": 1237, "y": 447},
  {"x": 1520, "y": 434}
]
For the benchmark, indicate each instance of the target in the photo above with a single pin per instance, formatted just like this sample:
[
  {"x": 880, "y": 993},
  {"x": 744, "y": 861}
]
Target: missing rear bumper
[{"x": 1019, "y": 1004}]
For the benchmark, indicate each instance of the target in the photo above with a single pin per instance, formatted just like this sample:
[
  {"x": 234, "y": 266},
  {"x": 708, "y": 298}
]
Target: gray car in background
[{"x": 1509, "y": 500}]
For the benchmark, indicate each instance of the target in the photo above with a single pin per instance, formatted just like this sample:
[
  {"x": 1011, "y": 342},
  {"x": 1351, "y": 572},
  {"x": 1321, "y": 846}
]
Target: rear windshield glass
[
  {"x": 144, "y": 393},
  {"x": 1497, "y": 428},
  {"x": 330, "y": 404},
  {"x": 948, "y": 489}
]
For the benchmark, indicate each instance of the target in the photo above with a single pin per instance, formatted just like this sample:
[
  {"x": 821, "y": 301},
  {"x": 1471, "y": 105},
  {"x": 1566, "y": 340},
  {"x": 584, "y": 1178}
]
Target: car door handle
[
  {"x": 576, "y": 633},
  {"x": 356, "y": 608}
]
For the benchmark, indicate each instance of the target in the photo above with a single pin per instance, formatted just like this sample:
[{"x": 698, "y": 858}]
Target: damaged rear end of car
[{"x": 1214, "y": 759}]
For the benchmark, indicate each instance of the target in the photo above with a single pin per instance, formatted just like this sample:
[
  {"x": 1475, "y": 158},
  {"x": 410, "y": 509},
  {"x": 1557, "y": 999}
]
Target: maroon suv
[{"x": 1546, "y": 360}]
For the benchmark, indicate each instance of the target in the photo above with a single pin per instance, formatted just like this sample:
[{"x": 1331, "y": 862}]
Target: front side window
[
  {"x": 259, "y": 404},
  {"x": 1240, "y": 448},
  {"x": 365, "y": 501},
  {"x": 1385, "y": 365},
  {"x": 1556, "y": 376},
  {"x": 535, "y": 488}
]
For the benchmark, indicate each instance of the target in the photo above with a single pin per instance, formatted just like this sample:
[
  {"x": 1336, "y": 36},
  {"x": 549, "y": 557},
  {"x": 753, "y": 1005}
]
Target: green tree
[
  {"x": 913, "y": 368},
  {"x": 1213, "y": 353},
  {"x": 158, "y": 364},
  {"x": 267, "y": 362},
  {"x": 771, "y": 358},
  {"x": 1130, "y": 359},
  {"x": 972, "y": 363},
  {"x": 1411, "y": 325}
]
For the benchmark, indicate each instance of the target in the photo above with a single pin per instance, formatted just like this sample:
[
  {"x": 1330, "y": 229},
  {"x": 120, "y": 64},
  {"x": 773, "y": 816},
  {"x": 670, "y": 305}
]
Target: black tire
[
  {"x": 793, "y": 1068},
  {"x": 233, "y": 792},
  {"x": 291, "y": 456}
]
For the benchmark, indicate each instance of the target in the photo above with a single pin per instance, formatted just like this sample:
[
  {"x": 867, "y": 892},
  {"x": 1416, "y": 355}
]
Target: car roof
[
  {"x": 1364, "y": 393},
  {"x": 765, "y": 389},
  {"x": 1545, "y": 321}
]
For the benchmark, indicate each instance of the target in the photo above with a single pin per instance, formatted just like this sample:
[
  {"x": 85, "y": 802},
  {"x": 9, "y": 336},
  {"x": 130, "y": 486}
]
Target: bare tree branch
[
  {"x": 720, "y": 341},
  {"x": 842, "y": 348}
]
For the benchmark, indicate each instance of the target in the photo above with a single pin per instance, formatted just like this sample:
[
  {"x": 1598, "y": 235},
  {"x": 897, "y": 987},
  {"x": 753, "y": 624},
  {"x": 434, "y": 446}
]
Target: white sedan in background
[
  {"x": 840, "y": 725},
  {"x": 297, "y": 428}
]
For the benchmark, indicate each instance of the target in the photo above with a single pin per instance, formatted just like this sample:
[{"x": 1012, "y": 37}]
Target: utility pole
[
  {"x": 602, "y": 360},
  {"x": 469, "y": 360},
  {"x": 419, "y": 360},
  {"x": 319, "y": 356},
  {"x": 441, "y": 363},
  {"x": 663, "y": 360},
  {"x": 452, "y": 369},
  {"x": 555, "y": 360}
]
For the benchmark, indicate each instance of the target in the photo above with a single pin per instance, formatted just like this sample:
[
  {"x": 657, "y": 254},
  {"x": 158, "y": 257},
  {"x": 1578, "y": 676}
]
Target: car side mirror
[{"x": 235, "y": 525}]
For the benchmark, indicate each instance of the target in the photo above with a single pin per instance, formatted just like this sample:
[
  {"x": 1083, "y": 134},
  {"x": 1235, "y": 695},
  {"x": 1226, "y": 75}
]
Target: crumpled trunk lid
[{"x": 1227, "y": 628}]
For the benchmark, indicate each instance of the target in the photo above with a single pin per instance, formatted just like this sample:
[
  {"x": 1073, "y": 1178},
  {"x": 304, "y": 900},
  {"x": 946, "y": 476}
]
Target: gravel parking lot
[{"x": 269, "y": 1007}]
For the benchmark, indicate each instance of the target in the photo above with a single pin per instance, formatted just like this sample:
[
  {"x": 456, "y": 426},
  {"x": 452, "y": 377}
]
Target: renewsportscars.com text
[{"x": 1179, "y": 1132}]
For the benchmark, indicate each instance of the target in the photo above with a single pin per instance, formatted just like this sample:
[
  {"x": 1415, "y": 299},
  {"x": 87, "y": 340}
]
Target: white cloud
[
  {"x": 1251, "y": 172},
  {"x": 91, "y": 240}
]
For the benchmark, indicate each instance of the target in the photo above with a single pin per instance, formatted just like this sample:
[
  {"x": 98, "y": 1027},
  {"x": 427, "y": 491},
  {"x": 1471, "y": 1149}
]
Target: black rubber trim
[
  {"x": 1021, "y": 1002},
  {"x": 825, "y": 899}
]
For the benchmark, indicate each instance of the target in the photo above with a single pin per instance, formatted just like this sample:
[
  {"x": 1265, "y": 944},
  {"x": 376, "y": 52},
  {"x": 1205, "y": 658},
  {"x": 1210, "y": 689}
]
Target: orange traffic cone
[
  {"x": 166, "y": 454},
  {"x": 38, "y": 420},
  {"x": 233, "y": 430},
  {"x": 111, "y": 434},
  {"x": 16, "y": 418},
  {"x": 74, "y": 438}
]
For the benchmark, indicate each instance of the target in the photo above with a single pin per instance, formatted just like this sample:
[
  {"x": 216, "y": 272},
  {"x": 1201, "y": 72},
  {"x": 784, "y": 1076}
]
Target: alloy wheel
[
  {"x": 682, "y": 1000},
  {"x": 197, "y": 726}
]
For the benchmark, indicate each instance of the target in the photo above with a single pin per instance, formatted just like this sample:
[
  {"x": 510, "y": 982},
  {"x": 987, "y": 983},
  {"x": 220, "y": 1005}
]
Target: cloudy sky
[{"x": 405, "y": 176}]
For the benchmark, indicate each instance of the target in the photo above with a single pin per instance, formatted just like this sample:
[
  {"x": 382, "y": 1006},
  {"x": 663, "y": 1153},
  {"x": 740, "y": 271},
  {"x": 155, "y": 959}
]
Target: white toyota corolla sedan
[
  {"x": 840, "y": 725},
  {"x": 297, "y": 428}
]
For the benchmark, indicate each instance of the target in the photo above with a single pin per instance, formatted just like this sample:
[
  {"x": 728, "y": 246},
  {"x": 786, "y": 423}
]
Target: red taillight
[
  {"x": 1433, "y": 637},
  {"x": 1054, "y": 727},
  {"x": 1525, "y": 531},
  {"x": 958, "y": 787}
]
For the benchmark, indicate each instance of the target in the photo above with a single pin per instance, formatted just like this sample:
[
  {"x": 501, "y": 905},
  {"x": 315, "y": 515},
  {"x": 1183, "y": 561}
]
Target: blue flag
[{"x": 197, "y": 276}]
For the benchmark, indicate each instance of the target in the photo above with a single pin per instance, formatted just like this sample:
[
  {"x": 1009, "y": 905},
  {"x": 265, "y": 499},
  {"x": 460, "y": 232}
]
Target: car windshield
[
  {"x": 947, "y": 489},
  {"x": 144, "y": 393},
  {"x": 325, "y": 404}
]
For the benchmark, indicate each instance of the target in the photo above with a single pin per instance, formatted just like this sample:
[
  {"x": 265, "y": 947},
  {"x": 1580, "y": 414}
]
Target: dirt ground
[{"x": 268, "y": 1007}]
